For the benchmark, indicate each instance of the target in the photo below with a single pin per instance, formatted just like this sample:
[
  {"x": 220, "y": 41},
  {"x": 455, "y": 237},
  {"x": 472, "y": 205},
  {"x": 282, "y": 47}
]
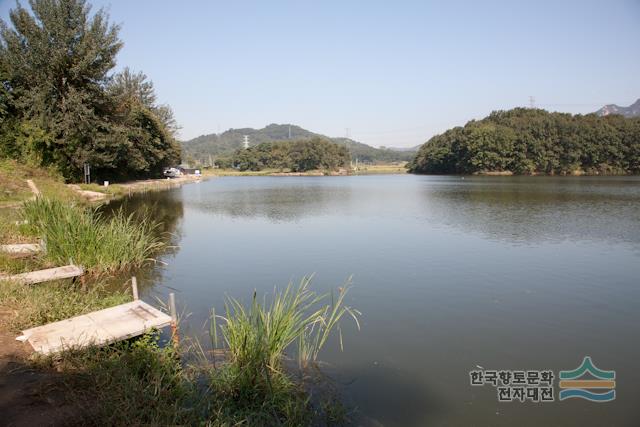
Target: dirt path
[
  {"x": 29, "y": 397},
  {"x": 161, "y": 183}
]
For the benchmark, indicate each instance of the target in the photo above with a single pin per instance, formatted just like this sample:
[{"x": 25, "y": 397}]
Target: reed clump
[
  {"x": 256, "y": 339},
  {"x": 145, "y": 382},
  {"x": 258, "y": 336},
  {"x": 86, "y": 237}
]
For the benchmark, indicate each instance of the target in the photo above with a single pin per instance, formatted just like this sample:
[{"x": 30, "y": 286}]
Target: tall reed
[
  {"x": 258, "y": 336},
  {"x": 85, "y": 236}
]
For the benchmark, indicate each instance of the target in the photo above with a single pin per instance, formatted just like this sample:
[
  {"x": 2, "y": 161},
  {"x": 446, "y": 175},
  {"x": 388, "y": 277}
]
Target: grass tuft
[
  {"x": 84, "y": 236},
  {"x": 257, "y": 337},
  {"x": 38, "y": 305}
]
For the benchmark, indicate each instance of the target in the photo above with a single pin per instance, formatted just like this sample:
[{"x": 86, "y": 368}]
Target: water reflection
[
  {"x": 167, "y": 209},
  {"x": 509, "y": 273},
  {"x": 526, "y": 209},
  {"x": 277, "y": 199},
  {"x": 390, "y": 395}
]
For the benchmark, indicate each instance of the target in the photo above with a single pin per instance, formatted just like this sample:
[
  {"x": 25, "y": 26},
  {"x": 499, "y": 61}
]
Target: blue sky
[{"x": 393, "y": 73}]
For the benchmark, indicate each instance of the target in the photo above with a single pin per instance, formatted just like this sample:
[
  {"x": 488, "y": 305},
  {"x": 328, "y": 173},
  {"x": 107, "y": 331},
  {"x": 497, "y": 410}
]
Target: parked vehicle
[{"x": 172, "y": 173}]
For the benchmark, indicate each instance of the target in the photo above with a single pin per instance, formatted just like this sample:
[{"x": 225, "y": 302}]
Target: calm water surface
[{"x": 449, "y": 273}]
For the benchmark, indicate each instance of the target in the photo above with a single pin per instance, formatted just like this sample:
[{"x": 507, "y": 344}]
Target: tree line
[
  {"x": 199, "y": 150},
  {"x": 534, "y": 141},
  {"x": 60, "y": 106},
  {"x": 295, "y": 156}
]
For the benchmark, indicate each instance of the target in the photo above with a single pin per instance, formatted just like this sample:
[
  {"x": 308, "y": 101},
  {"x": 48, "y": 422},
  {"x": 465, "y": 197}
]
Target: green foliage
[
  {"x": 235, "y": 401},
  {"x": 258, "y": 336},
  {"x": 139, "y": 382},
  {"x": 84, "y": 236},
  {"x": 297, "y": 156},
  {"x": 58, "y": 105},
  {"x": 253, "y": 381},
  {"x": 129, "y": 383},
  {"x": 39, "y": 305},
  {"x": 220, "y": 147},
  {"x": 525, "y": 141}
]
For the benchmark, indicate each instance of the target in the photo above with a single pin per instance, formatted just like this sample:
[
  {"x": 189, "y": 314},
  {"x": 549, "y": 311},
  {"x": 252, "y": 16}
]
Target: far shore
[{"x": 385, "y": 169}]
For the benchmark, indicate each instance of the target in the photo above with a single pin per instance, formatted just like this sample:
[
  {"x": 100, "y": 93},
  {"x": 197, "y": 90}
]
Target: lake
[{"x": 451, "y": 274}]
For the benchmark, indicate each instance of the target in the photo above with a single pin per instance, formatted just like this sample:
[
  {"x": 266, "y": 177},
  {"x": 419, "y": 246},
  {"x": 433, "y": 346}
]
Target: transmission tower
[
  {"x": 532, "y": 102},
  {"x": 246, "y": 142}
]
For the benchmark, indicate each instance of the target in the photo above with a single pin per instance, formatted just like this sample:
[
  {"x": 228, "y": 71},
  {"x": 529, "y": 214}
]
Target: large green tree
[{"x": 59, "y": 110}]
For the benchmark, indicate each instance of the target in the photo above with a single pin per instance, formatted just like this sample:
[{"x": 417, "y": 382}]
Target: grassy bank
[
  {"x": 38, "y": 305},
  {"x": 13, "y": 177},
  {"x": 82, "y": 234},
  {"x": 141, "y": 382},
  {"x": 241, "y": 378},
  {"x": 117, "y": 190},
  {"x": 236, "y": 172},
  {"x": 362, "y": 170},
  {"x": 381, "y": 169}
]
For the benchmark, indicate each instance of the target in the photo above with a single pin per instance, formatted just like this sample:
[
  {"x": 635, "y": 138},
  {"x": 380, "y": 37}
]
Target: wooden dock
[
  {"x": 98, "y": 328},
  {"x": 57, "y": 273},
  {"x": 21, "y": 248}
]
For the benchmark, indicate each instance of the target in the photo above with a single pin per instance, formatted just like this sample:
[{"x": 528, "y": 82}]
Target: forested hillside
[
  {"x": 59, "y": 105},
  {"x": 530, "y": 141},
  {"x": 198, "y": 150}
]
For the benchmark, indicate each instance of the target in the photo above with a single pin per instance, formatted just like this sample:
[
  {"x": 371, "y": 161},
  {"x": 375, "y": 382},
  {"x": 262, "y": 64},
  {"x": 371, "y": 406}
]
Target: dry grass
[
  {"x": 13, "y": 176},
  {"x": 396, "y": 168}
]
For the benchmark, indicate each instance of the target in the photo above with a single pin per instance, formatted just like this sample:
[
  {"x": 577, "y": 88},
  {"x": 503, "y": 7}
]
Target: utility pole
[
  {"x": 87, "y": 173},
  {"x": 246, "y": 142}
]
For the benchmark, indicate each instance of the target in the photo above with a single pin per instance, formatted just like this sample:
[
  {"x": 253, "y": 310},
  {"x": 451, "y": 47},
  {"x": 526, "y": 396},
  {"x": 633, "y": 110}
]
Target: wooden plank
[
  {"x": 21, "y": 248},
  {"x": 98, "y": 328},
  {"x": 33, "y": 187},
  {"x": 57, "y": 273}
]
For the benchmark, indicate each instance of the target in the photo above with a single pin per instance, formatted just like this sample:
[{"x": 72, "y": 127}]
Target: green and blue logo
[{"x": 571, "y": 386}]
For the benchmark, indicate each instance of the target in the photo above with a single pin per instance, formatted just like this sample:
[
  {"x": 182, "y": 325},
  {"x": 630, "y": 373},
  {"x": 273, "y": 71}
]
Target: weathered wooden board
[
  {"x": 33, "y": 187},
  {"x": 57, "y": 273},
  {"x": 21, "y": 248},
  {"x": 97, "y": 328}
]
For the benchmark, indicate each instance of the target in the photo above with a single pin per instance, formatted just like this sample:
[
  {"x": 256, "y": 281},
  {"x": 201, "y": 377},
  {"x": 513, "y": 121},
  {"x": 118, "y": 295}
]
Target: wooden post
[
  {"x": 134, "y": 288},
  {"x": 174, "y": 319}
]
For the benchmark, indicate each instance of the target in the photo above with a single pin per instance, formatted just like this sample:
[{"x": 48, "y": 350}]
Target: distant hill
[
  {"x": 200, "y": 148},
  {"x": 632, "y": 110}
]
